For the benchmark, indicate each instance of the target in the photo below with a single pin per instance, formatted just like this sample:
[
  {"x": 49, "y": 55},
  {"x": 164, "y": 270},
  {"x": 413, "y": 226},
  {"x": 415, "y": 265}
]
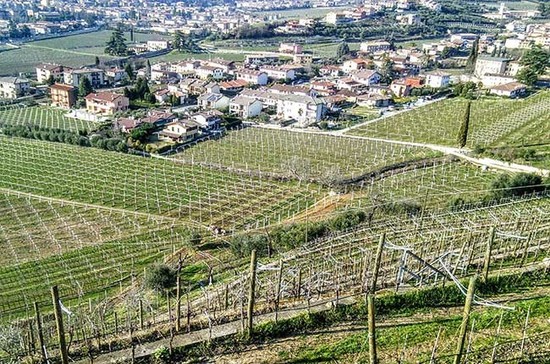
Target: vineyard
[
  {"x": 43, "y": 117},
  {"x": 299, "y": 155},
  {"x": 93, "y": 223},
  {"x": 491, "y": 120}
]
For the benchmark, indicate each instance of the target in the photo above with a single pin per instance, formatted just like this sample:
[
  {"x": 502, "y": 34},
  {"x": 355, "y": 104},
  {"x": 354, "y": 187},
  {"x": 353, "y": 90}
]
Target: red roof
[
  {"x": 63, "y": 87},
  {"x": 103, "y": 96}
]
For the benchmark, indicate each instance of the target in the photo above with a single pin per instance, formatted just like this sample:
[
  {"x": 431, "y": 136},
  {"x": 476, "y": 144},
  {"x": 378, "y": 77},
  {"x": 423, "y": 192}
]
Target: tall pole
[
  {"x": 178, "y": 303},
  {"x": 372, "y": 331},
  {"x": 487, "y": 260},
  {"x": 377, "y": 261},
  {"x": 465, "y": 320},
  {"x": 279, "y": 283},
  {"x": 39, "y": 329},
  {"x": 59, "y": 324},
  {"x": 252, "y": 288}
]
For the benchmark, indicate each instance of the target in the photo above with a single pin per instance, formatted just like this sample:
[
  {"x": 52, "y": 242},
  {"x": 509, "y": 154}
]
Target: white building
[
  {"x": 95, "y": 75},
  {"x": 375, "y": 46},
  {"x": 213, "y": 101},
  {"x": 252, "y": 76},
  {"x": 245, "y": 107},
  {"x": 438, "y": 79},
  {"x": 492, "y": 65},
  {"x": 279, "y": 73},
  {"x": 13, "y": 87},
  {"x": 366, "y": 77}
]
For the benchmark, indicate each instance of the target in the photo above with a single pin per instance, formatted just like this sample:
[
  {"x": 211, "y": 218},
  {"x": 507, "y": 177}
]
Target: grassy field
[
  {"x": 72, "y": 51},
  {"x": 43, "y": 117},
  {"x": 491, "y": 120},
  {"x": 290, "y": 153}
]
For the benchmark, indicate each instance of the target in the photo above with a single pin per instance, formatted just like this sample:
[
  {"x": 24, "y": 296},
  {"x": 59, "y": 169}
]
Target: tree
[
  {"x": 50, "y": 81},
  {"x": 517, "y": 185},
  {"x": 528, "y": 76},
  {"x": 116, "y": 45},
  {"x": 85, "y": 87},
  {"x": 472, "y": 57},
  {"x": 97, "y": 61},
  {"x": 129, "y": 71},
  {"x": 463, "y": 132},
  {"x": 537, "y": 59},
  {"x": 387, "y": 70},
  {"x": 178, "y": 40},
  {"x": 161, "y": 277},
  {"x": 343, "y": 49}
]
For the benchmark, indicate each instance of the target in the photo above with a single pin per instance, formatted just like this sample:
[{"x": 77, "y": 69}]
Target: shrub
[
  {"x": 161, "y": 277},
  {"x": 517, "y": 185}
]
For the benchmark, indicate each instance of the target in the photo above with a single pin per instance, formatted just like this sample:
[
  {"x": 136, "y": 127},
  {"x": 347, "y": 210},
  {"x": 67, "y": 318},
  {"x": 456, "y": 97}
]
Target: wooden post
[
  {"x": 487, "y": 260},
  {"x": 39, "y": 331},
  {"x": 372, "y": 334},
  {"x": 279, "y": 283},
  {"x": 178, "y": 303},
  {"x": 299, "y": 286},
  {"x": 141, "y": 314},
  {"x": 377, "y": 261},
  {"x": 465, "y": 320},
  {"x": 526, "y": 249},
  {"x": 116, "y": 323},
  {"x": 251, "y": 291},
  {"x": 188, "y": 309},
  {"x": 59, "y": 323}
]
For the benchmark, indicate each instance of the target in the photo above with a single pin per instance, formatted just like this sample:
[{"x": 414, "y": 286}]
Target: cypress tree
[{"x": 463, "y": 132}]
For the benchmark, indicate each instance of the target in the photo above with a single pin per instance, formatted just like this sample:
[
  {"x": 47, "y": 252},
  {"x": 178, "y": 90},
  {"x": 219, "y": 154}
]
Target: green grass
[
  {"x": 313, "y": 155},
  {"x": 44, "y": 117},
  {"x": 492, "y": 119},
  {"x": 72, "y": 51}
]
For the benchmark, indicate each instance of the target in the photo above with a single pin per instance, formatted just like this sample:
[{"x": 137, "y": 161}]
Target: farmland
[
  {"x": 491, "y": 120},
  {"x": 72, "y": 51},
  {"x": 310, "y": 155},
  {"x": 137, "y": 184},
  {"x": 43, "y": 117}
]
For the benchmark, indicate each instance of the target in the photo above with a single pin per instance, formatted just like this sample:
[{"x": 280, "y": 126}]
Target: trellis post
[
  {"x": 372, "y": 330},
  {"x": 59, "y": 324},
  {"x": 178, "y": 303},
  {"x": 487, "y": 260},
  {"x": 465, "y": 320},
  {"x": 279, "y": 283},
  {"x": 377, "y": 261},
  {"x": 39, "y": 330},
  {"x": 251, "y": 291}
]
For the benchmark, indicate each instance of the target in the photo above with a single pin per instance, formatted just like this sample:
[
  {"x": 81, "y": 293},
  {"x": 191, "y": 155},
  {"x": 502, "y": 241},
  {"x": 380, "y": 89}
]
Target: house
[
  {"x": 158, "y": 45},
  {"x": 13, "y": 87},
  {"x": 511, "y": 89},
  {"x": 375, "y": 46},
  {"x": 400, "y": 88},
  {"x": 233, "y": 86},
  {"x": 293, "y": 90},
  {"x": 106, "y": 103},
  {"x": 489, "y": 80},
  {"x": 260, "y": 59},
  {"x": 291, "y": 48},
  {"x": 115, "y": 74},
  {"x": 63, "y": 95},
  {"x": 373, "y": 100},
  {"x": 336, "y": 18},
  {"x": 330, "y": 70},
  {"x": 415, "y": 82},
  {"x": 213, "y": 101},
  {"x": 126, "y": 125},
  {"x": 46, "y": 70},
  {"x": 366, "y": 77},
  {"x": 304, "y": 109},
  {"x": 349, "y": 84},
  {"x": 179, "y": 131},
  {"x": 205, "y": 72},
  {"x": 279, "y": 72},
  {"x": 162, "y": 96},
  {"x": 251, "y": 76},
  {"x": 225, "y": 65},
  {"x": 438, "y": 79},
  {"x": 491, "y": 65},
  {"x": 209, "y": 120},
  {"x": 158, "y": 117},
  {"x": 303, "y": 58},
  {"x": 352, "y": 65},
  {"x": 95, "y": 75},
  {"x": 324, "y": 88},
  {"x": 245, "y": 107}
]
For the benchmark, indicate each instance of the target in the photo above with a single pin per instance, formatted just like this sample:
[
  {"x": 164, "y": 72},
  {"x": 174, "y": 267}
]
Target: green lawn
[{"x": 72, "y": 51}]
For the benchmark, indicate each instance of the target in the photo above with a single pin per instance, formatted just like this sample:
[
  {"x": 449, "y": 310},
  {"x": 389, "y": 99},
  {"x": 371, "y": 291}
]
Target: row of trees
[
  {"x": 80, "y": 138},
  {"x": 535, "y": 62}
]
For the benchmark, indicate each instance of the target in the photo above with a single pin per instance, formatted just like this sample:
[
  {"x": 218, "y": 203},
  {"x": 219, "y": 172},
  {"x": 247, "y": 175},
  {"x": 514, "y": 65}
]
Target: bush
[
  {"x": 517, "y": 185},
  {"x": 161, "y": 277}
]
